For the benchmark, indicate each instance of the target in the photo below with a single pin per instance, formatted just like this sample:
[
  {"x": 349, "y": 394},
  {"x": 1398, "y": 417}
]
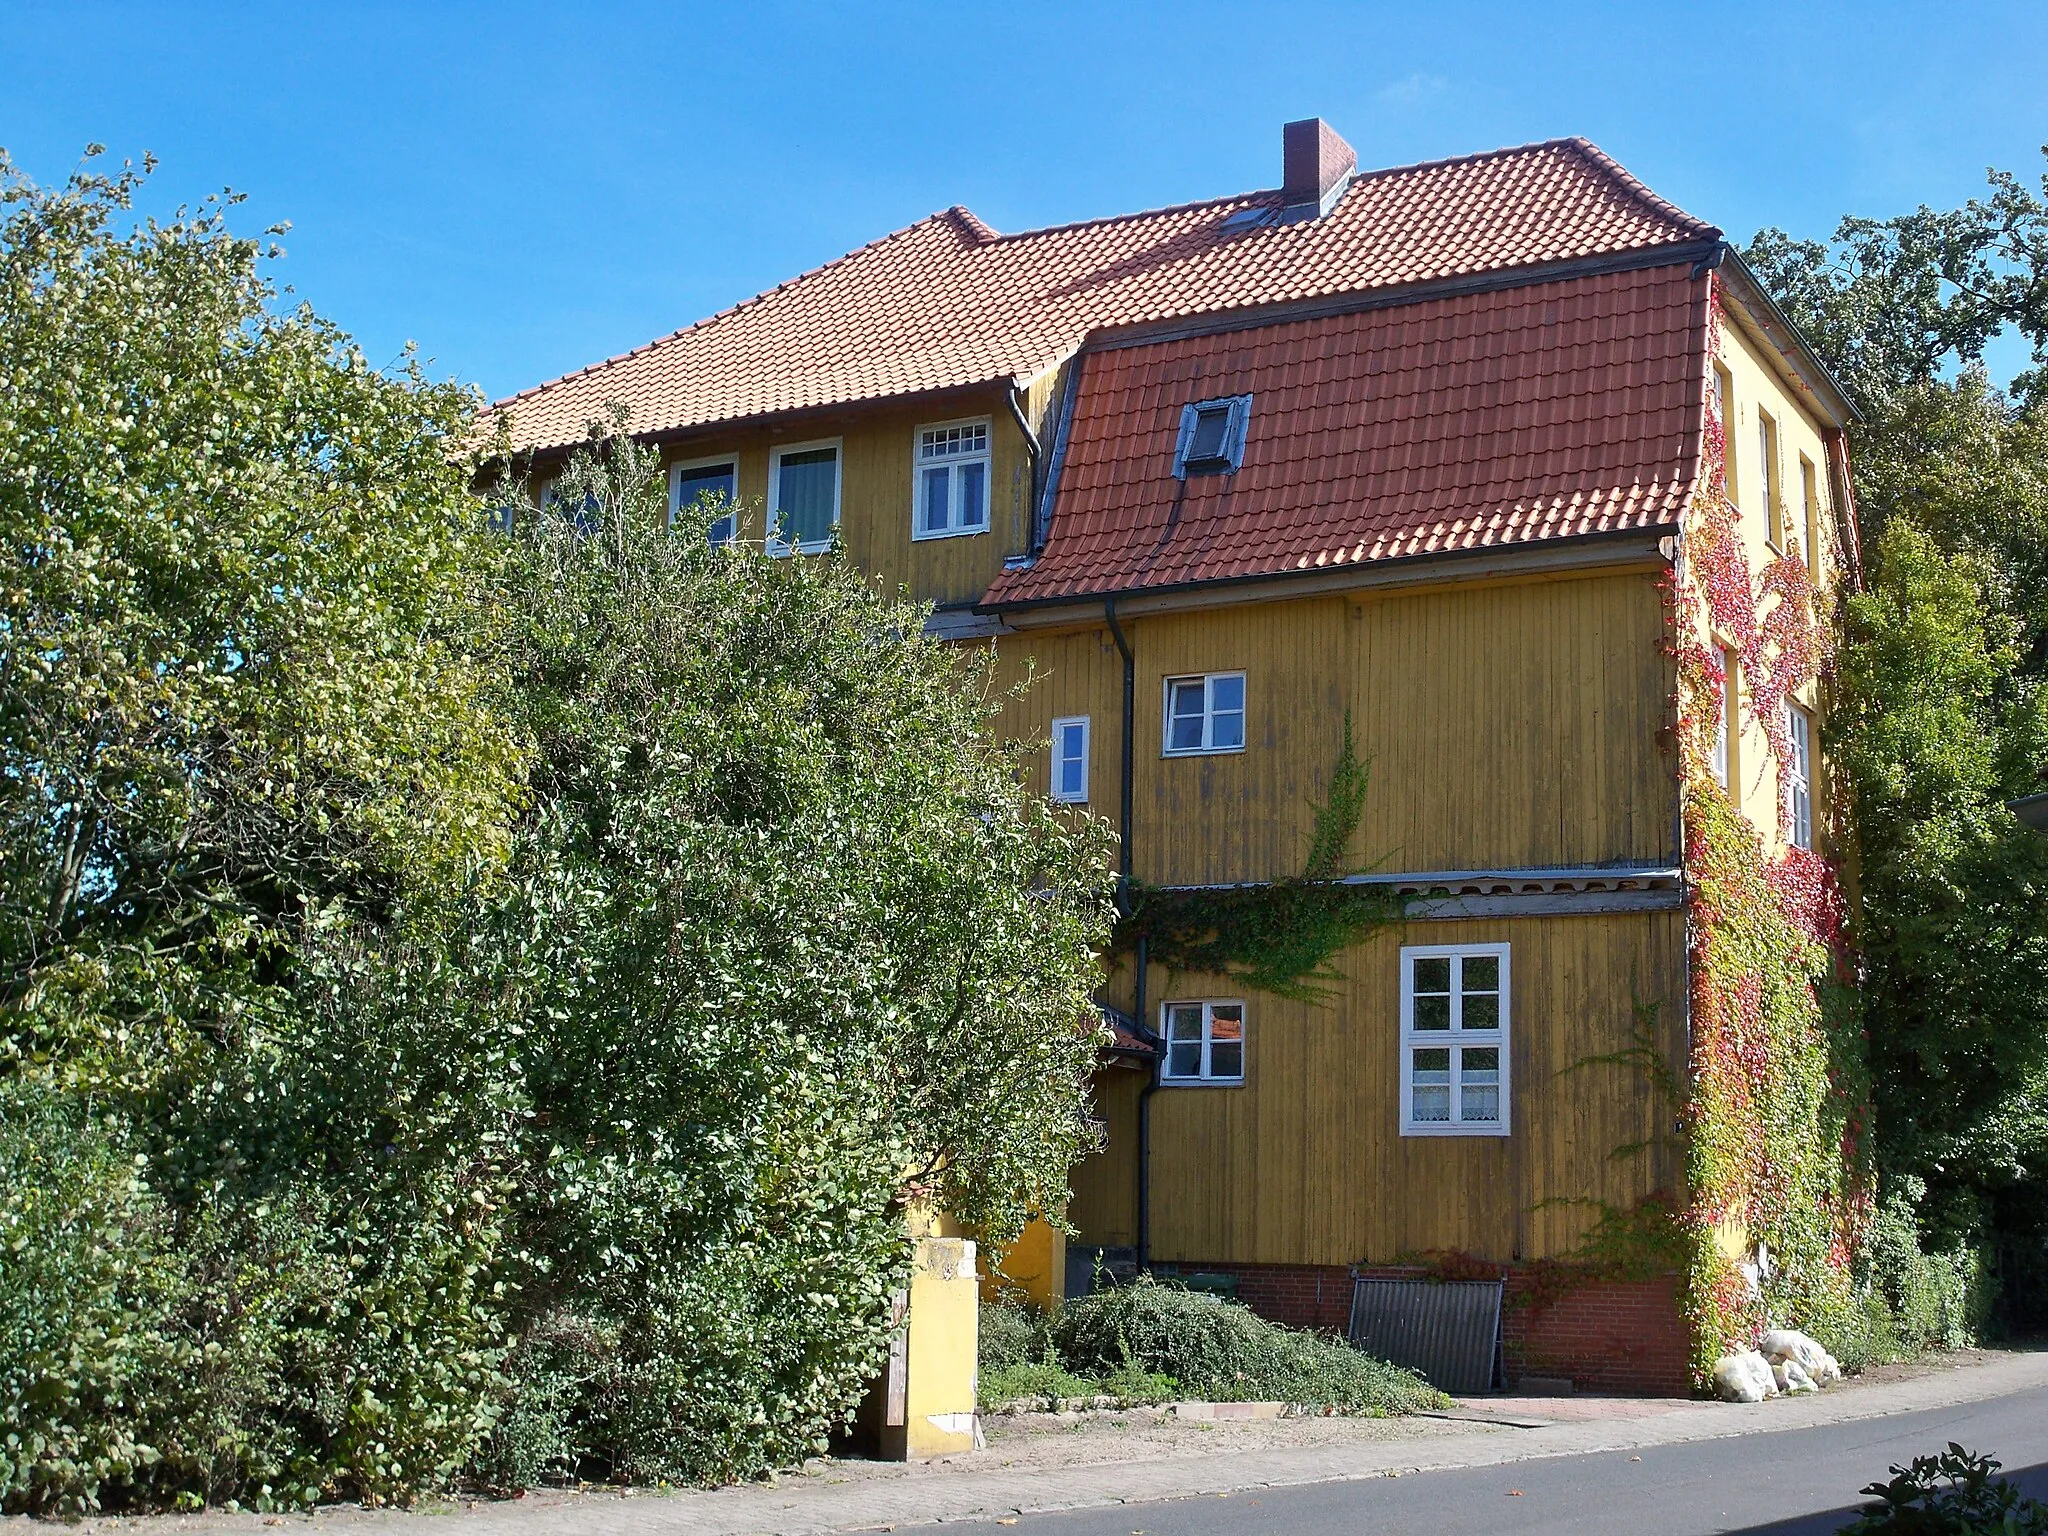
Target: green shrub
[
  {"x": 1221, "y": 1351},
  {"x": 1951, "y": 1494},
  {"x": 1010, "y": 1335}
]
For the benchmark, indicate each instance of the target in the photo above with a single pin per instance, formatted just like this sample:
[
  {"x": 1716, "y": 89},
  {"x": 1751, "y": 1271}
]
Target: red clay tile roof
[
  {"x": 948, "y": 302},
  {"x": 1492, "y": 418}
]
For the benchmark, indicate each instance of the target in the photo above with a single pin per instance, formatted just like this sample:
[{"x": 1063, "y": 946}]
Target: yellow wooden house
[{"x": 1413, "y": 449}]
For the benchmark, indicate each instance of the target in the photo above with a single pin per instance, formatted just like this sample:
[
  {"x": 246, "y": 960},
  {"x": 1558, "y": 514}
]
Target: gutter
[
  {"x": 1524, "y": 557},
  {"x": 1142, "y": 961}
]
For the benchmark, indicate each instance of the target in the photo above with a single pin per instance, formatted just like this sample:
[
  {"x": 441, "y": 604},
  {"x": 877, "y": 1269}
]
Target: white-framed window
[
  {"x": 1809, "y": 500},
  {"x": 952, "y": 480},
  {"x": 1212, "y": 436},
  {"x": 1729, "y": 733},
  {"x": 1722, "y": 386},
  {"x": 716, "y": 481},
  {"x": 1767, "y": 478},
  {"x": 1799, "y": 774},
  {"x": 1204, "y": 1042},
  {"x": 1204, "y": 714},
  {"x": 1070, "y": 759},
  {"x": 803, "y": 497},
  {"x": 1454, "y": 1040}
]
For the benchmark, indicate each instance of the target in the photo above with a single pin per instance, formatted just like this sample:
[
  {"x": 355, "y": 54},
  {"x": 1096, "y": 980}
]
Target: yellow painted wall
[
  {"x": 1512, "y": 724},
  {"x": 1033, "y": 1268},
  {"x": 1305, "y": 1163},
  {"x": 877, "y": 450},
  {"x": 1752, "y": 385}
]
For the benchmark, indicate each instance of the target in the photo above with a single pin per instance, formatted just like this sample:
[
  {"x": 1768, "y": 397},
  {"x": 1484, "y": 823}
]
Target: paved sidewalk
[{"x": 826, "y": 1498}]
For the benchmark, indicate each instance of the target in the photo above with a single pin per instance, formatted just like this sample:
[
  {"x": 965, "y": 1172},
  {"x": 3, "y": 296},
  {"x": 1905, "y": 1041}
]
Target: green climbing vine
[
  {"x": 1281, "y": 938},
  {"x": 1776, "y": 1086}
]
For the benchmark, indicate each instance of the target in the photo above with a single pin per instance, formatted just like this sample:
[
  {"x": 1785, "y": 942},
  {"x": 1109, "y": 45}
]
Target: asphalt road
[{"x": 1799, "y": 1482}]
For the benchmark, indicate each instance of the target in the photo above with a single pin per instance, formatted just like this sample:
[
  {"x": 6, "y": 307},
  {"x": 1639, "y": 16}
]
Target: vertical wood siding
[
  {"x": 1305, "y": 1163},
  {"x": 1508, "y": 725}
]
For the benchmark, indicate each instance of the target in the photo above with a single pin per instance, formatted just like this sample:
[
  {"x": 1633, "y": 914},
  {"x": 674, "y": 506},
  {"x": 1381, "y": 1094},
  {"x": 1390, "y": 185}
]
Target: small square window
[
  {"x": 1204, "y": 714},
  {"x": 713, "y": 484},
  {"x": 952, "y": 471},
  {"x": 1454, "y": 1040},
  {"x": 1070, "y": 760},
  {"x": 1212, "y": 434},
  {"x": 1204, "y": 1042}
]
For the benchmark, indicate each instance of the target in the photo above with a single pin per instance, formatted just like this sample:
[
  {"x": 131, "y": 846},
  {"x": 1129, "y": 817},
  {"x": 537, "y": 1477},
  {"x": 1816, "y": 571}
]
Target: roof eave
[
  {"x": 1775, "y": 327},
  {"x": 1644, "y": 545}
]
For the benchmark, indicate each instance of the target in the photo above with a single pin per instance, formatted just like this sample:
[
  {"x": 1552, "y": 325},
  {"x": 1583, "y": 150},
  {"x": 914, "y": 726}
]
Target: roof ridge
[
  {"x": 1636, "y": 187},
  {"x": 1574, "y": 142},
  {"x": 733, "y": 309},
  {"x": 1136, "y": 214}
]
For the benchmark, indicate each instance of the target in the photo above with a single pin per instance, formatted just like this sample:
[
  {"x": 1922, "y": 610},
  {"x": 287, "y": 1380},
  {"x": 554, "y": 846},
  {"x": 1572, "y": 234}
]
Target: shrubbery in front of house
[
  {"x": 473, "y": 1005},
  {"x": 1148, "y": 1342}
]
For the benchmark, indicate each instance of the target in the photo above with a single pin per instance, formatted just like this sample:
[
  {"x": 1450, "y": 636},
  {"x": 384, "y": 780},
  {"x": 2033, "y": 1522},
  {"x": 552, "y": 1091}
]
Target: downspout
[
  {"x": 1031, "y": 446},
  {"x": 1142, "y": 960}
]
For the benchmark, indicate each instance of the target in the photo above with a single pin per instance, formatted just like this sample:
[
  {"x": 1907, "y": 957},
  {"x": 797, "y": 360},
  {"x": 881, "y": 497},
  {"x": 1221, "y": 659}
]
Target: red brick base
[{"x": 1621, "y": 1336}]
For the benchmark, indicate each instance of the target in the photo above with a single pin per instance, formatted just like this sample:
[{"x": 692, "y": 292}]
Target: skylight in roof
[{"x": 1212, "y": 436}]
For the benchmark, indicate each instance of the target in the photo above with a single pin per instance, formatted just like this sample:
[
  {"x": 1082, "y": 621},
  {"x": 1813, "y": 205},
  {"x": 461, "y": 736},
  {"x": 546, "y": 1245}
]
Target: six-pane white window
[
  {"x": 1070, "y": 759},
  {"x": 1204, "y": 714},
  {"x": 952, "y": 480},
  {"x": 1799, "y": 774},
  {"x": 1454, "y": 1040},
  {"x": 1204, "y": 1042}
]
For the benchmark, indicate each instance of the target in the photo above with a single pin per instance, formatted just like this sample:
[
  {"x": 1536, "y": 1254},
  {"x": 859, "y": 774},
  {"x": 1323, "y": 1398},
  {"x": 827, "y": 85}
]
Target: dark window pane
[
  {"x": 973, "y": 496},
  {"x": 807, "y": 487},
  {"x": 1432, "y": 1012},
  {"x": 1184, "y": 1059},
  {"x": 1226, "y": 1058},
  {"x": 1482, "y": 1010},
  {"x": 1212, "y": 426},
  {"x": 1481, "y": 973},
  {"x": 1433, "y": 974}
]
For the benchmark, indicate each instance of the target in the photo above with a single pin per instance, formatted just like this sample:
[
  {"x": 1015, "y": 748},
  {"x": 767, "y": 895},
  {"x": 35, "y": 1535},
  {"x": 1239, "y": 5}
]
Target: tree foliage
[
  {"x": 473, "y": 1006},
  {"x": 1941, "y": 715}
]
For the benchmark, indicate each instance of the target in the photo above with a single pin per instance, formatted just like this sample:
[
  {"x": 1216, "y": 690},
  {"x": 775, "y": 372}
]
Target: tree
[
  {"x": 794, "y": 946},
  {"x": 244, "y": 732},
  {"x": 471, "y": 1004},
  {"x": 1942, "y": 710}
]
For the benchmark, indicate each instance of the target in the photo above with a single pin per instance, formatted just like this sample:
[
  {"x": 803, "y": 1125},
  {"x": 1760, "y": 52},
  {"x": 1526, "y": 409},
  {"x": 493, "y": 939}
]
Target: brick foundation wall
[{"x": 1621, "y": 1336}]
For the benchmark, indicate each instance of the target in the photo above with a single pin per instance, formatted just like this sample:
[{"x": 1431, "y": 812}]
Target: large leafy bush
[{"x": 470, "y": 1005}]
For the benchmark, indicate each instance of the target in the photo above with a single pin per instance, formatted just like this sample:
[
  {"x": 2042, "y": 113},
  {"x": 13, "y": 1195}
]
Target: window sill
[
  {"x": 1201, "y": 1082},
  {"x": 1496, "y": 1132},
  {"x": 783, "y": 551},
  {"x": 1200, "y": 751},
  {"x": 1068, "y": 799},
  {"x": 946, "y": 533}
]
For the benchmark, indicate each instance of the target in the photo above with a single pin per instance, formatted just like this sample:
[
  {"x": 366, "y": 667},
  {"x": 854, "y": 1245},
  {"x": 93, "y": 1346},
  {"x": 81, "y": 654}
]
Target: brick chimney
[{"x": 1318, "y": 167}]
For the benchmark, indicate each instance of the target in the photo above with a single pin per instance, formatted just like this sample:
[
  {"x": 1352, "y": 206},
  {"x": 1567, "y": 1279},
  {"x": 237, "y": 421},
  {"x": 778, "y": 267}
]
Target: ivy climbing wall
[{"x": 1776, "y": 1091}]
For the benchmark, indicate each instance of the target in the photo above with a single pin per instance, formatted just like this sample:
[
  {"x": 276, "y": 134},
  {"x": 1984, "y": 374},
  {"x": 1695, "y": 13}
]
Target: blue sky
[{"x": 524, "y": 188}]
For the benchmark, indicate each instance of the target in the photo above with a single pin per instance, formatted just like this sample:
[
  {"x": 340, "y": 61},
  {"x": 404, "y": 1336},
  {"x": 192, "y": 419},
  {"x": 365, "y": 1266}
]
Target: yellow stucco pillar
[
  {"x": 939, "y": 1399},
  {"x": 923, "y": 1404}
]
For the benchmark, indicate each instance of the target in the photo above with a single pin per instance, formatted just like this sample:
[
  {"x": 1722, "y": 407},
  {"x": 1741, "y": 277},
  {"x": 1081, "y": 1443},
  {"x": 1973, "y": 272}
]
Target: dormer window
[{"x": 1212, "y": 436}]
